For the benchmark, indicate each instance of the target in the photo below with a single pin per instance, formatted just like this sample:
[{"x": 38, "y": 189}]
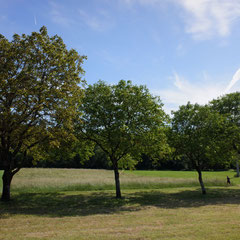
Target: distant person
[{"x": 228, "y": 180}]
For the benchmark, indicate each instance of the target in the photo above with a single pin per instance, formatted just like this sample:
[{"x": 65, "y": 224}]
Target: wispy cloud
[
  {"x": 58, "y": 16},
  {"x": 183, "y": 91},
  {"x": 235, "y": 79},
  {"x": 99, "y": 21},
  {"x": 203, "y": 19},
  {"x": 180, "y": 49},
  {"x": 96, "y": 19},
  {"x": 35, "y": 20},
  {"x": 3, "y": 18},
  {"x": 207, "y": 18},
  {"x": 143, "y": 2}
]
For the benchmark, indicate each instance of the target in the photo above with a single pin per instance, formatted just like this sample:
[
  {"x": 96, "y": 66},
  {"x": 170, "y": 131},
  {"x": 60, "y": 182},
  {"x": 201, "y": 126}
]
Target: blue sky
[{"x": 183, "y": 50}]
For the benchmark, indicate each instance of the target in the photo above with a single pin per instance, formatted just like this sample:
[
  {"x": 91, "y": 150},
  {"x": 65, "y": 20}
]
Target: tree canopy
[
  {"x": 200, "y": 135},
  {"x": 39, "y": 94},
  {"x": 124, "y": 120},
  {"x": 45, "y": 112},
  {"x": 229, "y": 105}
]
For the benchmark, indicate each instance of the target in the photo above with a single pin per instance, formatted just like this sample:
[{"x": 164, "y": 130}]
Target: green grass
[
  {"x": 45, "y": 205},
  {"x": 149, "y": 214},
  {"x": 52, "y": 180},
  {"x": 184, "y": 174}
]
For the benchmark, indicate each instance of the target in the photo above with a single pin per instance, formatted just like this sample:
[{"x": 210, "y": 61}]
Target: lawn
[
  {"x": 50, "y": 204},
  {"x": 52, "y": 180}
]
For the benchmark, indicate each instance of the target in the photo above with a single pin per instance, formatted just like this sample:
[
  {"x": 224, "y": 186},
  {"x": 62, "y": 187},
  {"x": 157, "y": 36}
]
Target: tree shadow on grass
[{"x": 82, "y": 204}]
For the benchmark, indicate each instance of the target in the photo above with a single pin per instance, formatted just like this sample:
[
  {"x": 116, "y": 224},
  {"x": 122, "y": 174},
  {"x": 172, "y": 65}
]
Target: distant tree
[
  {"x": 39, "y": 94},
  {"x": 68, "y": 154},
  {"x": 145, "y": 163},
  {"x": 98, "y": 160},
  {"x": 125, "y": 121},
  {"x": 199, "y": 135},
  {"x": 229, "y": 105}
]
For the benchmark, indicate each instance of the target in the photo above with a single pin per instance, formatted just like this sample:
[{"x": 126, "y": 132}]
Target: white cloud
[
  {"x": 35, "y": 20},
  {"x": 58, "y": 16},
  {"x": 180, "y": 49},
  {"x": 143, "y": 2},
  {"x": 99, "y": 21},
  {"x": 204, "y": 19},
  {"x": 207, "y": 18},
  {"x": 3, "y": 18},
  {"x": 184, "y": 91},
  {"x": 235, "y": 79}
]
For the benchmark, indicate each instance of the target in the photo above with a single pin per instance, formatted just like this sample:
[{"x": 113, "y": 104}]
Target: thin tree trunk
[
  {"x": 117, "y": 180},
  {"x": 237, "y": 167},
  {"x": 237, "y": 159},
  {"x": 7, "y": 179},
  {"x": 201, "y": 181}
]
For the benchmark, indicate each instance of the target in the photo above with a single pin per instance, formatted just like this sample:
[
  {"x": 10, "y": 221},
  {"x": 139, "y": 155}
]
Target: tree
[
  {"x": 199, "y": 135},
  {"x": 67, "y": 154},
  {"x": 125, "y": 121},
  {"x": 39, "y": 94},
  {"x": 229, "y": 105}
]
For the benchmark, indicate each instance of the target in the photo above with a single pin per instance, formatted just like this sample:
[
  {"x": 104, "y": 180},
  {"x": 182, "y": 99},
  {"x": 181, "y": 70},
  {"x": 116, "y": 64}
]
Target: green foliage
[
  {"x": 127, "y": 162},
  {"x": 68, "y": 154},
  {"x": 200, "y": 136},
  {"x": 123, "y": 120},
  {"x": 39, "y": 93},
  {"x": 229, "y": 105}
]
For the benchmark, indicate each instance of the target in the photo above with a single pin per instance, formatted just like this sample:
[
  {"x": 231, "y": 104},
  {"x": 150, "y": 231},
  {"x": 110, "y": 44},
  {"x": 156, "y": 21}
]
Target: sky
[{"x": 182, "y": 50}]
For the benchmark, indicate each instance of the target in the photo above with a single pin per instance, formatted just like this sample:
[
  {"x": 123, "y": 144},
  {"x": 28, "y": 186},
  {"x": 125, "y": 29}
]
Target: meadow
[{"x": 80, "y": 204}]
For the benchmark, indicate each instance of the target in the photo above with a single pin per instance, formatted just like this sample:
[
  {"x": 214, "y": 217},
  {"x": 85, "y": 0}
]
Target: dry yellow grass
[
  {"x": 39, "y": 177},
  {"x": 166, "y": 214},
  {"x": 86, "y": 179},
  {"x": 150, "y": 215}
]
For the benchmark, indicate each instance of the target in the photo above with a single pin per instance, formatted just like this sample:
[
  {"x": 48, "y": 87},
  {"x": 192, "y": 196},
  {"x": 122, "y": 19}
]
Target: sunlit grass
[
  {"x": 173, "y": 213},
  {"x": 51, "y": 180},
  {"x": 79, "y": 204},
  {"x": 184, "y": 174}
]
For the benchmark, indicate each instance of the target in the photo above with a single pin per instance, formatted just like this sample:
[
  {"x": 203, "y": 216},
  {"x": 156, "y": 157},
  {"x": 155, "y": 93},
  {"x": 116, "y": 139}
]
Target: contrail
[
  {"x": 235, "y": 79},
  {"x": 35, "y": 20}
]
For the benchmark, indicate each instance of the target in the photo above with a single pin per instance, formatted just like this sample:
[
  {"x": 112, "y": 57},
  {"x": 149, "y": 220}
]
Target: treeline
[
  {"x": 50, "y": 117},
  {"x": 99, "y": 161}
]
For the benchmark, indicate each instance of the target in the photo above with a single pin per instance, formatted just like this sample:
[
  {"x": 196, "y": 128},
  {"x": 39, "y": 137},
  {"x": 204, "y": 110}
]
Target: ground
[{"x": 80, "y": 204}]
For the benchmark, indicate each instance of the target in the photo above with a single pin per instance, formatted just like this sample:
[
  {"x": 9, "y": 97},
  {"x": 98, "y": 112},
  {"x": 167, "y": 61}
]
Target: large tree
[
  {"x": 229, "y": 105},
  {"x": 125, "y": 121},
  {"x": 199, "y": 135},
  {"x": 39, "y": 94}
]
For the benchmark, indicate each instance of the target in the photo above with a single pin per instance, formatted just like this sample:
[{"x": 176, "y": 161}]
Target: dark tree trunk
[
  {"x": 237, "y": 160},
  {"x": 237, "y": 168},
  {"x": 201, "y": 181},
  {"x": 117, "y": 180},
  {"x": 7, "y": 179}
]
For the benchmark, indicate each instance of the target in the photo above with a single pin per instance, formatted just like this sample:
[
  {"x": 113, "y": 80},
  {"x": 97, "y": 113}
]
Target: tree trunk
[
  {"x": 237, "y": 167},
  {"x": 117, "y": 181},
  {"x": 7, "y": 179},
  {"x": 237, "y": 159},
  {"x": 201, "y": 181}
]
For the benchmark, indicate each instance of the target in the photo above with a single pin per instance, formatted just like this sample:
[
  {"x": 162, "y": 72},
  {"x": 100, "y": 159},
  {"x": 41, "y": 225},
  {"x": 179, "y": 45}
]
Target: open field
[
  {"x": 44, "y": 208},
  {"x": 51, "y": 180}
]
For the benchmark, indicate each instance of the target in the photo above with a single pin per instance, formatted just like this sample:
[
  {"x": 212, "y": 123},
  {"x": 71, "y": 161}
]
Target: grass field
[{"x": 80, "y": 204}]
